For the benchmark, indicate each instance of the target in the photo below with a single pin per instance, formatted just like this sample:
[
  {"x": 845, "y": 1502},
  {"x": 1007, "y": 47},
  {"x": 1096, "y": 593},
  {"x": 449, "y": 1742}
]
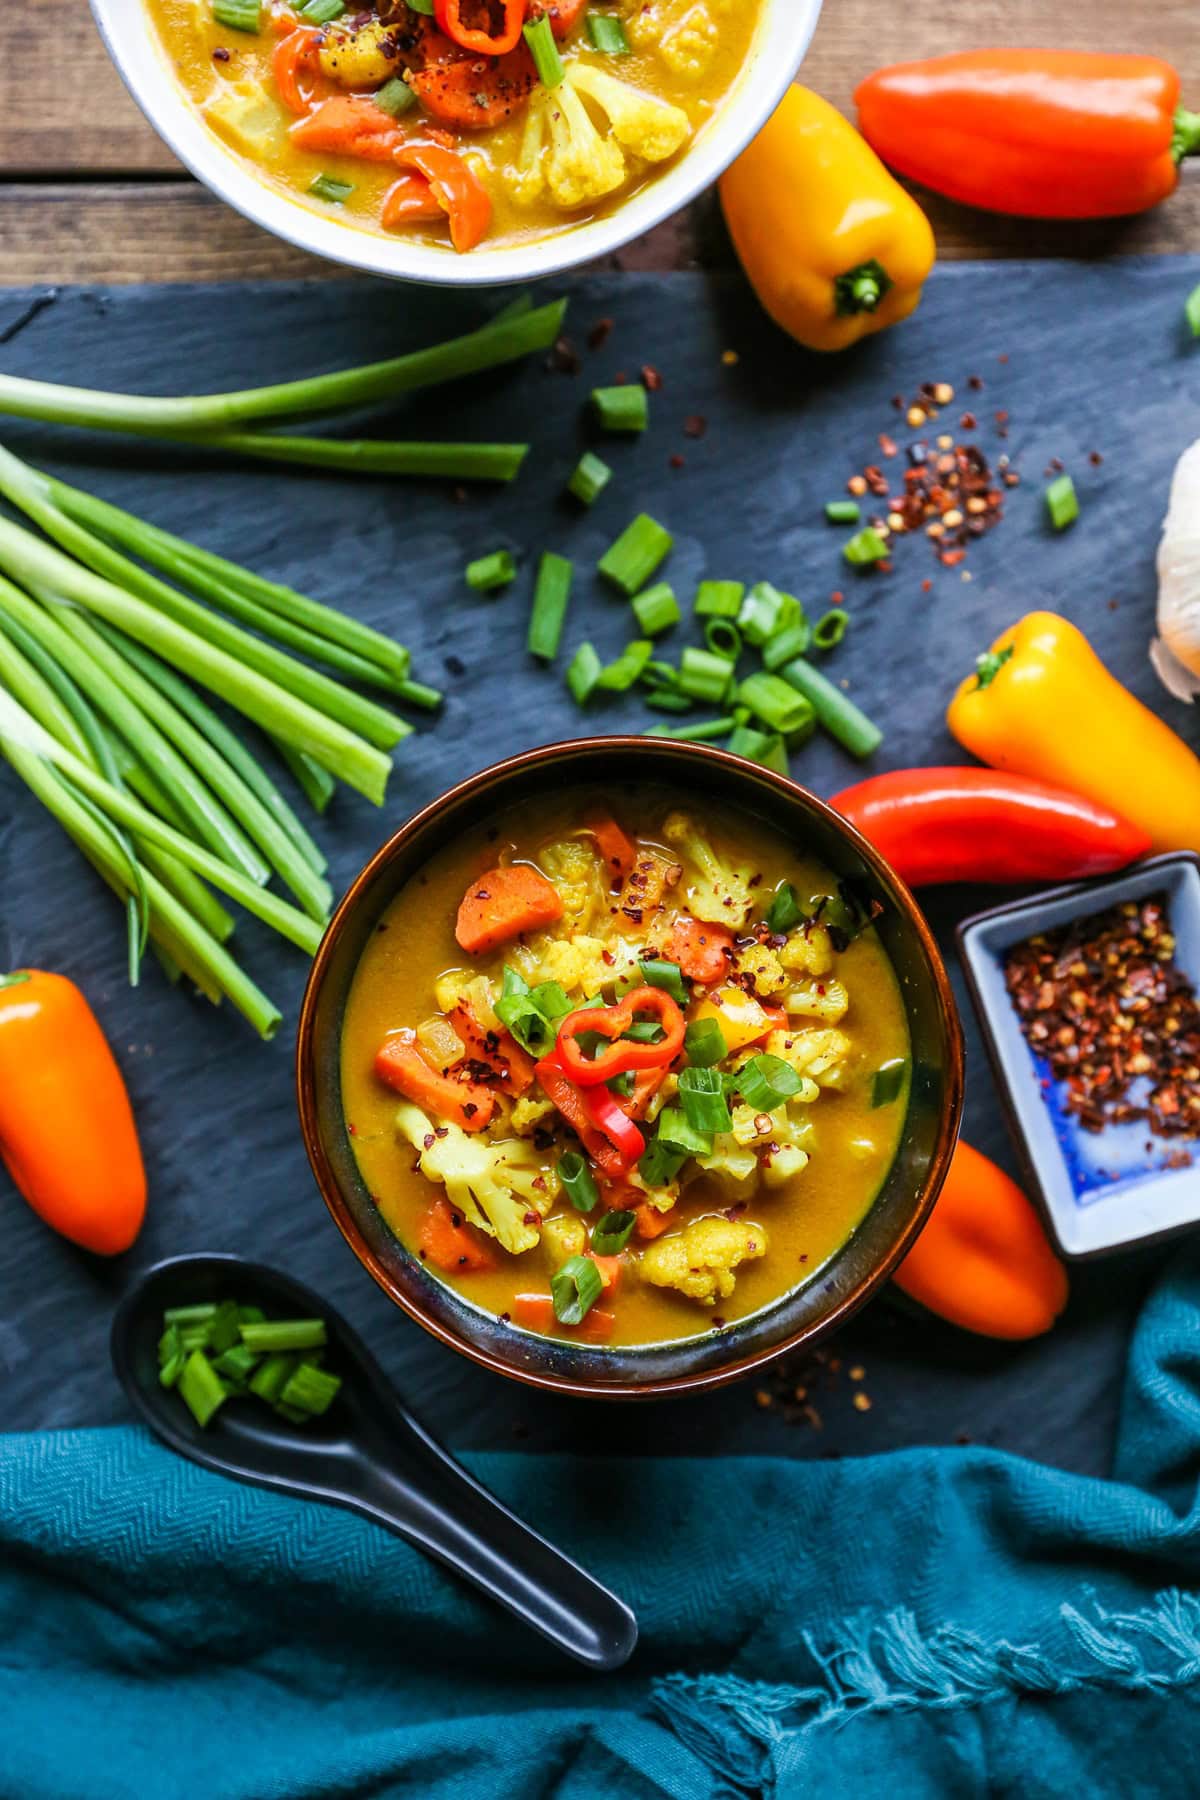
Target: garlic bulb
[{"x": 1175, "y": 653}]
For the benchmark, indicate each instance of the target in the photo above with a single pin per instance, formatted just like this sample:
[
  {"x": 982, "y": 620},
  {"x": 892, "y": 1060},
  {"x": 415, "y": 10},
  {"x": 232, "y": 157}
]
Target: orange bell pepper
[
  {"x": 984, "y": 1261},
  {"x": 67, "y": 1133}
]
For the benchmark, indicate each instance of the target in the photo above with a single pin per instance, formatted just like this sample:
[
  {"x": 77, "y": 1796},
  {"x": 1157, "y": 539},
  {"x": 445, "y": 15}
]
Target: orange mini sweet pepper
[{"x": 984, "y": 1261}]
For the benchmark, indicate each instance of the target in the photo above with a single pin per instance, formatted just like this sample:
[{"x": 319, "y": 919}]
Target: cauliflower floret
[
  {"x": 716, "y": 893},
  {"x": 827, "y": 1000},
  {"x": 662, "y": 1199},
  {"x": 362, "y": 57},
  {"x": 577, "y": 873},
  {"x": 685, "y": 33},
  {"x": 808, "y": 951},
  {"x": 761, "y": 963},
  {"x": 665, "y": 1094},
  {"x": 530, "y": 1112},
  {"x": 700, "y": 1260},
  {"x": 749, "y": 1127},
  {"x": 788, "y": 1152},
  {"x": 504, "y": 1188},
  {"x": 645, "y": 125},
  {"x": 783, "y": 1044},
  {"x": 564, "y": 1237},
  {"x": 731, "y": 1166},
  {"x": 582, "y": 965},
  {"x": 823, "y": 1054},
  {"x": 563, "y": 157},
  {"x": 464, "y": 987}
]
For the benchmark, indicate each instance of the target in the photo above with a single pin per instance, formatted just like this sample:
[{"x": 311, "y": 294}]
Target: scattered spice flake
[
  {"x": 1095, "y": 458},
  {"x": 857, "y": 1372},
  {"x": 220, "y": 54},
  {"x": 564, "y": 357},
  {"x": 676, "y": 461},
  {"x": 695, "y": 425},
  {"x": 600, "y": 333},
  {"x": 862, "y": 1402},
  {"x": 730, "y": 358},
  {"x": 651, "y": 379}
]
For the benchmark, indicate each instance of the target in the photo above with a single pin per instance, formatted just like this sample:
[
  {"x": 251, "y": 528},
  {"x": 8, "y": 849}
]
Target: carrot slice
[
  {"x": 474, "y": 93},
  {"x": 502, "y": 904},
  {"x": 349, "y": 125},
  {"x": 610, "y": 1268},
  {"x": 410, "y": 198},
  {"x": 456, "y": 188},
  {"x": 536, "y": 1313},
  {"x": 615, "y": 846},
  {"x": 292, "y": 54},
  {"x": 650, "y": 1222},
  {"x": 563, "y": 14},
  {"x": 702, "y": 951},
  {"x": 498, "y": 1049},
  {"x": 451, "y": 1244},
  {"x": 401, "y": 1065}
]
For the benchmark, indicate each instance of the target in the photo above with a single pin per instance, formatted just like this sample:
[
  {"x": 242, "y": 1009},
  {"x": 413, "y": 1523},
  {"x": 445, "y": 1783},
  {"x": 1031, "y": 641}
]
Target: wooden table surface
[{"x": 89, "y": 194}]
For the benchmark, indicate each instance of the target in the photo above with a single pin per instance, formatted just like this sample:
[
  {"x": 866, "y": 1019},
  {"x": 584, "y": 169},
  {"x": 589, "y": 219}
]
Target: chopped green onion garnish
[
  {"x": 666, "y": 700},
  {"x": 784, "y": 912},
  {"x": 589, "y": 479},
  {"x": 611, "y": 1233},
  {"x": 237, "y": 1364},
  {"x": 201, "y": 1387},
  {"x": 765, "y": 747},
  {"x": 888, "y": 1082},
  {"x": 637, "y": 553},
  {"x": 323, "y": 12},
  {"x": 842, "y": 512},
  {"x": 665, "y": 975},
  {"x": 238, "y": 15},
  {"x": 619, "y": 676},
  {"x": 765, "y": 611},
  {"x": 702, "y": 1095},
  {"x": 575, "y": 1289},
  {"x": 622, "y": 408},
  {"x": 644, "y": 1031},
  {"x": 830, "y": 628},
  {"x": 621, "y": 1084},
  {"x": 706, "y": 733},
  {"x": 660, "y": 1163},
  {"x": 583, "y": 672},
  {"x": 550, "y": 597},
  {"x": 493, "y": 571},
  {"x": 656, "y": 609},
  {"x": 674, "y": 1133},
  {"x": 544, "y": 50},
  {"x": 607, "y": 34},
  {"x": 774, "y": 701},
  {"x": 1191, "y": 311},
  {"x": 723, "y": 638},
  {"x": 270, "y": 1378},
  {"x": 190, "y": 1315},
  {"x": 766, "y": 1082},
  {"x": 325, "y": 187},
  {"x": 1062, "y": 502},
  {"x": 719, "y": 599},
  {"x": 705, "y": 1044},
  {"x": 786, "y": 644},
  {"x": 835, "y": 711},
  {"x": 395, "y": 96},
  {"x": 284, "y": 1334},
  {"x": 170, "y": 1370},
  {"x": 309, "y": 1389},
  {"x": 224, "y": 1328},
  {"x": 531, "y": 1015},
  {"x": 864, "y": 548},
  {"x": 579, "y": 1184},
  {"x": 421, "y": 6},
  {"x": 703, "y": 675}
]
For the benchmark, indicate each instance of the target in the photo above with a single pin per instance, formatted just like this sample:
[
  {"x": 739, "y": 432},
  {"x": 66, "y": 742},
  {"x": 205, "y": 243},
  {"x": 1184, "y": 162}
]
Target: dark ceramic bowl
[{"x": 858, "y": 1269}]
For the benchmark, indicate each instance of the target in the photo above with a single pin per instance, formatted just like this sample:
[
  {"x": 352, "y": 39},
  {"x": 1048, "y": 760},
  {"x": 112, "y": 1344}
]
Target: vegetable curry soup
[
  {"x": 624, "y": 1072},
  {"x": 466, "y": 119}
]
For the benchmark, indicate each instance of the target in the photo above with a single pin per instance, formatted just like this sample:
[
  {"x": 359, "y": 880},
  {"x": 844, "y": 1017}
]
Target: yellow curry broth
[
  {"x": 806, "y": 1221},
  {"x": 228, "y": 76}
]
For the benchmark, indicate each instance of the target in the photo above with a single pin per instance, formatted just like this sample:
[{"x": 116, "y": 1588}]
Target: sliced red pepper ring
[
  {"x": 606, "y": 1114},
  {"x": 621, "y": 1054},
  {"x": 497, "y": 28}
]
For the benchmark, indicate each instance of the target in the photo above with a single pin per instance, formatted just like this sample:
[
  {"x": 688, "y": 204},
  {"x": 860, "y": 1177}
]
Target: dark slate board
[{"x": 1083, "y": 357}]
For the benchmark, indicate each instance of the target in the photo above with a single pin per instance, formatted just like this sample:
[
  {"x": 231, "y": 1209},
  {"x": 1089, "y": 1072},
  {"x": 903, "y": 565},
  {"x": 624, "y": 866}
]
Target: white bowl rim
[{"x": 132, "y": 42}]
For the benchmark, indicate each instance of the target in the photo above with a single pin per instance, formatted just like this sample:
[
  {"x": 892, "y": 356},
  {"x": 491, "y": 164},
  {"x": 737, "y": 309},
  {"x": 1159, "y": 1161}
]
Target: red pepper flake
[
  {"x": 1095, "y": 459},
  {"x": 600, "y": 333},
  {"x": 887, "y": 445},
  {"x": 695, "y": 425},
  {"x": 620, "y": 378},
  {"x": 220, "y": 54},
  {"x": 651, "y": 379},
  {"x": 675, "y": 461},
  {"x": 564, "y": 358}
]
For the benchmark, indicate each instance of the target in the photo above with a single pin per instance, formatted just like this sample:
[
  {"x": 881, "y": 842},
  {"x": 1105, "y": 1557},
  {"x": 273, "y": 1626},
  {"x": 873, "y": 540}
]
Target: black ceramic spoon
[{"x": 367, "y": 1453}]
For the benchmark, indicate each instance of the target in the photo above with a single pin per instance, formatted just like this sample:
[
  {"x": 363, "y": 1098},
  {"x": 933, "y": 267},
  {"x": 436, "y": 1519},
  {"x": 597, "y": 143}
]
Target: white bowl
[{"x": 779, "y": 46}]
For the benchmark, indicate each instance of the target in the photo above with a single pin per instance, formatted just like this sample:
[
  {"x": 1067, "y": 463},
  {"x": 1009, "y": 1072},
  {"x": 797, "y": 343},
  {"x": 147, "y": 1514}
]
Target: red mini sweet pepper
[{"x": 1047, "y": 134}]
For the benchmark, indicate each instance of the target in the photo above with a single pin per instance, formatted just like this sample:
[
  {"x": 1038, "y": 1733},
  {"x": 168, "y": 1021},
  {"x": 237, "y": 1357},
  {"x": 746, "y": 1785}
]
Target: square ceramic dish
[{"x": 1098, "y": 1190}]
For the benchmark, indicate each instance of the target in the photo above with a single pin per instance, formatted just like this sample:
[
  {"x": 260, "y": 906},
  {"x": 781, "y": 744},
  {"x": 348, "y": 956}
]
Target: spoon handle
[{"x": 416, "y": 1489}]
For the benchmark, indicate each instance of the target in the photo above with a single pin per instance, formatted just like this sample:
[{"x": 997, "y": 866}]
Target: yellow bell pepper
[
  {"x": 1041, "y": 703},
  {"x": 833, "y": 246},
  {"x": 741, "y": 1018}
]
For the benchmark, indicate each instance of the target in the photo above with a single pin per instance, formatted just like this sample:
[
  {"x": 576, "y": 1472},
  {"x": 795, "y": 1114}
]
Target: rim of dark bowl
[{"x": 580, "y": 1369}]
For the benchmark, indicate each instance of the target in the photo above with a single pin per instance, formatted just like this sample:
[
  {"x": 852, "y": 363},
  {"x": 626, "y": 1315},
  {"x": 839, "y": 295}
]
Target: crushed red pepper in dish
[{"x": 1105, "y": 1004}]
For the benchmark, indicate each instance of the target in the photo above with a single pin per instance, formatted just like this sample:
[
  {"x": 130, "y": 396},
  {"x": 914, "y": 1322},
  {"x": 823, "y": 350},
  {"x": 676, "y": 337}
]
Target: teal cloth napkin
[{"x": 934, "y": 1622}]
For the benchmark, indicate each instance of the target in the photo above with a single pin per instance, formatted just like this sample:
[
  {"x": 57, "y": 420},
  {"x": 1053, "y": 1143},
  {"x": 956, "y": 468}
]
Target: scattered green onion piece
[
  {"x": 611, "y": 1233},
  {"x": 395, "y": 96},
  {"x": 551, "y": 595},
  {"x": 622, "y": 408},
  {"x": 327, "y": 187},
  {"x": 748, "y": 741},
  {"x": 619, "y": 676},
  {"x": 784, "y": 912},
  {"x": 675, "y": 1133},
  {"x": 284, "y": 1334},
  {"x": 421, "y": 6},
  {"x": 705, "y": 1044},
  {"x": 794, "y": 641},
  {"x": 775, "y": 753},
  {"x": 309, "y": 1390},
  {"x": 766, "y": 1082},
  {"x": 719, "y": 599},
  {"x": 237, "y": 15},
  {"x": 578, "y": 1181},
  {"x": 864, "y": 548},
  {"x": 666, "y": 975},
  {"x": 723, "y": 638},
  {"x": 271, "y": 1377},
  {"x": 843, "y": 512},
  {"x": 190, "y": 1315},
  {"x": 774, "y": 701},
  {"x": 607, "y": 34},
  {"x": 657, "y": 674},
  {"x": 487, "y": 573},
  {"x": 660, "y": 1164},
  {"x": 705, "y": 733},
  {"x": 575, "y": 1289},
  {"x": 237, "y": 1364},
  {"x": 201, "y": 1387},
  {"x": 702, "y": 1095},
  {"x": 765, "y": 611},
  {"x": 830, "y": 628},
  {"x": 664, "y": 700},
  {"x": 589, "y": 478},
  {"x": 544, "y": 50},
  {"x": 1191, "y": 311},
  {"x": 1062, "y": 502},
  {"x": 888, "y": 1082},
  {"x": 834, "y": 710},
  {"x": 583, "y": 672},
  {"x": 637, "y": 553},
  {"x": 621, "y": 1084},
  {"x": 531, "y": 1015},
  {"x": 703, "y": 675},
  {"x": 170, "y": 1370},
  {"x": 644, "y": 1031},
  {"x": 656, "y": 609},
  {"x": 323, "y": 12}
]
